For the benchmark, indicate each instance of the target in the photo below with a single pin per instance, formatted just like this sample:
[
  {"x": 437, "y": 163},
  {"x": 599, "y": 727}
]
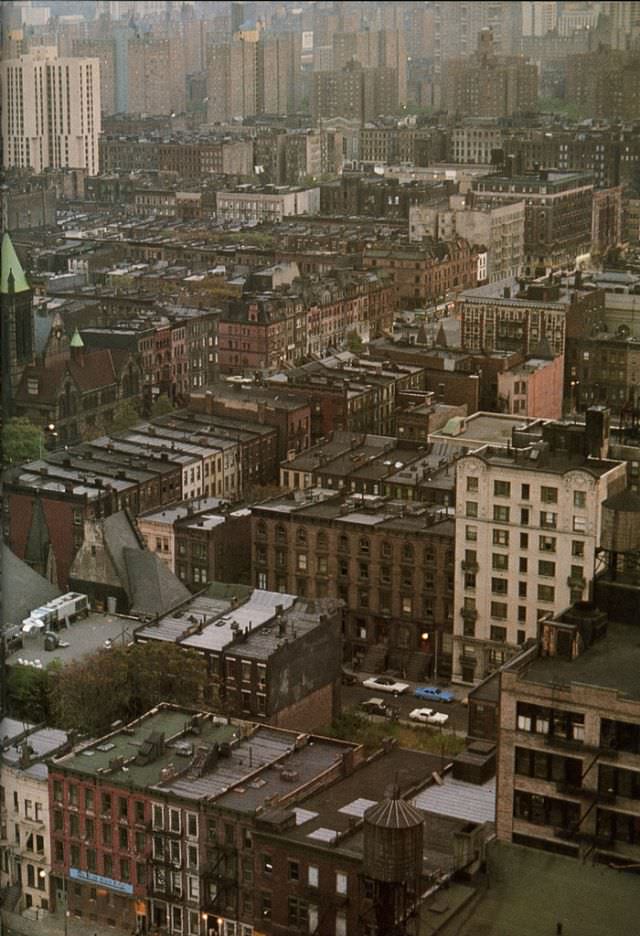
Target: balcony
[{"x": 469, "y": 566}]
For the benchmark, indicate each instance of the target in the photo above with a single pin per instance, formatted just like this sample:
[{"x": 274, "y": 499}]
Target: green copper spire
[
  {"x": 76, "y": 340},
  {"x": 10, "y": 263}
]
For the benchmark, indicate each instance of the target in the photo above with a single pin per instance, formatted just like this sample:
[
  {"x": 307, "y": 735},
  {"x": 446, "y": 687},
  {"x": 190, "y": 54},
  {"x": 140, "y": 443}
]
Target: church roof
[
  {"x": 9, "y": 263},
  {"x": 24, "y": 589}
]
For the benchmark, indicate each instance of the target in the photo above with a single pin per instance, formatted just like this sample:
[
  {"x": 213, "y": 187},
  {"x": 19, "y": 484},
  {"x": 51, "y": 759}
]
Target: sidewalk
[{"x": 52, "y": 924}]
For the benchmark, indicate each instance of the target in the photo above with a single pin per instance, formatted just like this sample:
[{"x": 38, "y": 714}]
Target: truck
[{"x": 61, "y": 612}]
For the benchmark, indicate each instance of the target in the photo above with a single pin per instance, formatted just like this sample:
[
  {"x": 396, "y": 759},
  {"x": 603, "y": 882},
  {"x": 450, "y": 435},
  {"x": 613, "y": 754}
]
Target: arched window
[{"x": 301, "y": 535}]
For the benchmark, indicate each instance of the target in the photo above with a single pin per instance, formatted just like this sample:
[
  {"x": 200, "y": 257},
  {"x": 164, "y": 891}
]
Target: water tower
[
  {"x": 620, "y": 538},
  {"x": 393, "y": 842}
]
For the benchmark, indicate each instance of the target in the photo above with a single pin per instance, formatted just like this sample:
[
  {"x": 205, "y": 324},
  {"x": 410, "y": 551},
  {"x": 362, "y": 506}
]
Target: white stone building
[
  {"x": 50, "y": 111},
  {"x": 527, "y": 528}
]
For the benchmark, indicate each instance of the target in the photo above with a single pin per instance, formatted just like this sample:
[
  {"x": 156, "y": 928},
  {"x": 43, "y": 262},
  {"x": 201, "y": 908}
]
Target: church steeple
[
  {"x": 11, "y": 269},
  {"x": 16, "y": 324}
]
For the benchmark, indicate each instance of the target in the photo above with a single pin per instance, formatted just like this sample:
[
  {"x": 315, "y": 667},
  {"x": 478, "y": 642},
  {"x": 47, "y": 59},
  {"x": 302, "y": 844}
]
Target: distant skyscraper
[{"x": 50, "y": 111}]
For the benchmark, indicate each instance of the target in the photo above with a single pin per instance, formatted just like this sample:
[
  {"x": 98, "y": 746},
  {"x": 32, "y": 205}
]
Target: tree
[
  {"x": 125, "y": 415},
  {"x": 122, "y": 683},
  {"x": 354, "y": 342},
  {"x": 161, "y": 406},
  {"x": 29, "y": 691},
  {"x": 21, "y": 441}
]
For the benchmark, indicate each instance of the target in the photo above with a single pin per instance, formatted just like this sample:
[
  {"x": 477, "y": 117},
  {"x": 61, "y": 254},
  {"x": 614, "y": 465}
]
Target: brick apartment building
[
  {"x": 558, "y": 212},
  {"x": 425, "y": 273},
  {"x": 367, "y": 553},
  {"x": 569, "y": 747}
]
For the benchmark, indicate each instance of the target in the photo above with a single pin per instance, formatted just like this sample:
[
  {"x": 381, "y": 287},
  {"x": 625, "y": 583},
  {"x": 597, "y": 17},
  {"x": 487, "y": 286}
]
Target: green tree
[
  {"x": 29, "y": 691},
  {"x": 21, "y": 441},
  {"x": 124, "y": 682},
  {"x": 354, "y": 342},
  {"x": 125, "y": 415},
  {"x": 161, "y": 406}
]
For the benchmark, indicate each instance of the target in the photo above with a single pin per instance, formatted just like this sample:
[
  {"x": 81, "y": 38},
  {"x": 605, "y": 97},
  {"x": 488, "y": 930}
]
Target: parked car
[
  {"x": 433, "y": 694},
  {"x": 376, "y": 707},
  {"x": 428, "y": 717},
  {"x": 349, "y": 678},
  {"x": 385, "y": 684}
]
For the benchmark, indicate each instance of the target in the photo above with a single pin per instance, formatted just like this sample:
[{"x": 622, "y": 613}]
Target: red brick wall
[{"x": 312, "y": 713}]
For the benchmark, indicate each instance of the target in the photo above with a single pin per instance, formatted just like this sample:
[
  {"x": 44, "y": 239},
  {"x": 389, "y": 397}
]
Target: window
[
  {"x": 341, "y": 882},
  {"x": 500, "y": 513},
  {"x": 72, "y": 792},
  {"x": 302, "y": 562},
  {"x": 579, "y": 524},
  {"x": 472, "y": 484},
  {"x": 158, "y": 817},
  {"x": 297, "y": 913},
  {"x": 525, "y": 491},
  {"x": 312, "y": 876},
  {"x": 123, "y": 838},
  {"x": 547, "y": 543},
  {"x": 522, "y": 589},
  {"x": 88, "y": 800},
  {"x": 524, "y": 516},
  {"x": 499, "y": 586},
  {"x": 577, "y": 549},
  {"x": 265, "y": 905},
  {"x": 500, "y": 561},
  {"x": 549, "y": 495},
  {"x": 294, "y": 871},
  {"x": 407, "y": 604},
  {"x": 501, "y": 489},
  {"x": 498, "y": 633},
  {"x": 500, "y": 537},
  {"x": 548, "y": 520},
  {"x": 174, "y": 820},
  {"x": 471, "y": 533},
  {"x": 579, "y": 499},
  {"x": 472, "y": 509},
  {"x": 546, "y": 568},
  {"x": 498, "y": 610},
  {"x": 267, "y": 864},
  {"x": 546, "y": 593},
  {"x": 524, "y": 541}
]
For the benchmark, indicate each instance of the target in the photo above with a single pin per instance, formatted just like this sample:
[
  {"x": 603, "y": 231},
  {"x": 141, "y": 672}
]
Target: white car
[
  {"x": 428, "y": 717},
  {"x": 385, "y": 684}
]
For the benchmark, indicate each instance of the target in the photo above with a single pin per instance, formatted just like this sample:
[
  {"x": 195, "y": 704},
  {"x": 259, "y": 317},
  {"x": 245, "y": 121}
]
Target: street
[{"x": 457, "y": 712}]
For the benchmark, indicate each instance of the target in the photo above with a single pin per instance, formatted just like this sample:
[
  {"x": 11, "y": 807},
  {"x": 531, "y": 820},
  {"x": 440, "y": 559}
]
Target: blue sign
[{"x": 77, "y": 875}]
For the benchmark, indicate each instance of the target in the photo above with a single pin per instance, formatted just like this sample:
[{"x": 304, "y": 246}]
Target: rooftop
[
  {"x": 482, "y": 429},
  {"x": 82, "y": 638},
  {"x": 610, "y": 663}
]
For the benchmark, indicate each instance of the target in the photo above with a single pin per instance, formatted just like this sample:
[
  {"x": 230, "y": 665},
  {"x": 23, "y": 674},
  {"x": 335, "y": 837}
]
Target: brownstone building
[
  {"x": 392, "y": 567},
  {"x": 422, "y": 274}
]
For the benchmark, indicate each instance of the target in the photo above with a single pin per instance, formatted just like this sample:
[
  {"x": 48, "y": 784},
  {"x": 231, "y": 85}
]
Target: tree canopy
[
  {"x": 21, "y": 441},
  {"x": 122, "y": 683}
]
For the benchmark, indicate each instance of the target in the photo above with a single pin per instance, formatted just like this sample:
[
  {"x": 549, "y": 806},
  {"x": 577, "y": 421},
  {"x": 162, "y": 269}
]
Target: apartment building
[
  {"x": 50, "y": 111},
  {"x": 25, "y": 844},
  {"x": 143, "y": 836},
  {"x": 558, "y": 212},
  {"x": 487, "y": 85},
  {"x": 499, "y": 229},
  {"x": 389, "y": 563},
  {"x": 569, "y": 751},
  {"x": 270, "y": 203},
  {"x": 426, "y": 272},
  {"x": 528, "y": 523}
]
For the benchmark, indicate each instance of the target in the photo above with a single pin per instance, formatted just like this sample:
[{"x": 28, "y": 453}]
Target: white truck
[{"x": 55, "y": 614}]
